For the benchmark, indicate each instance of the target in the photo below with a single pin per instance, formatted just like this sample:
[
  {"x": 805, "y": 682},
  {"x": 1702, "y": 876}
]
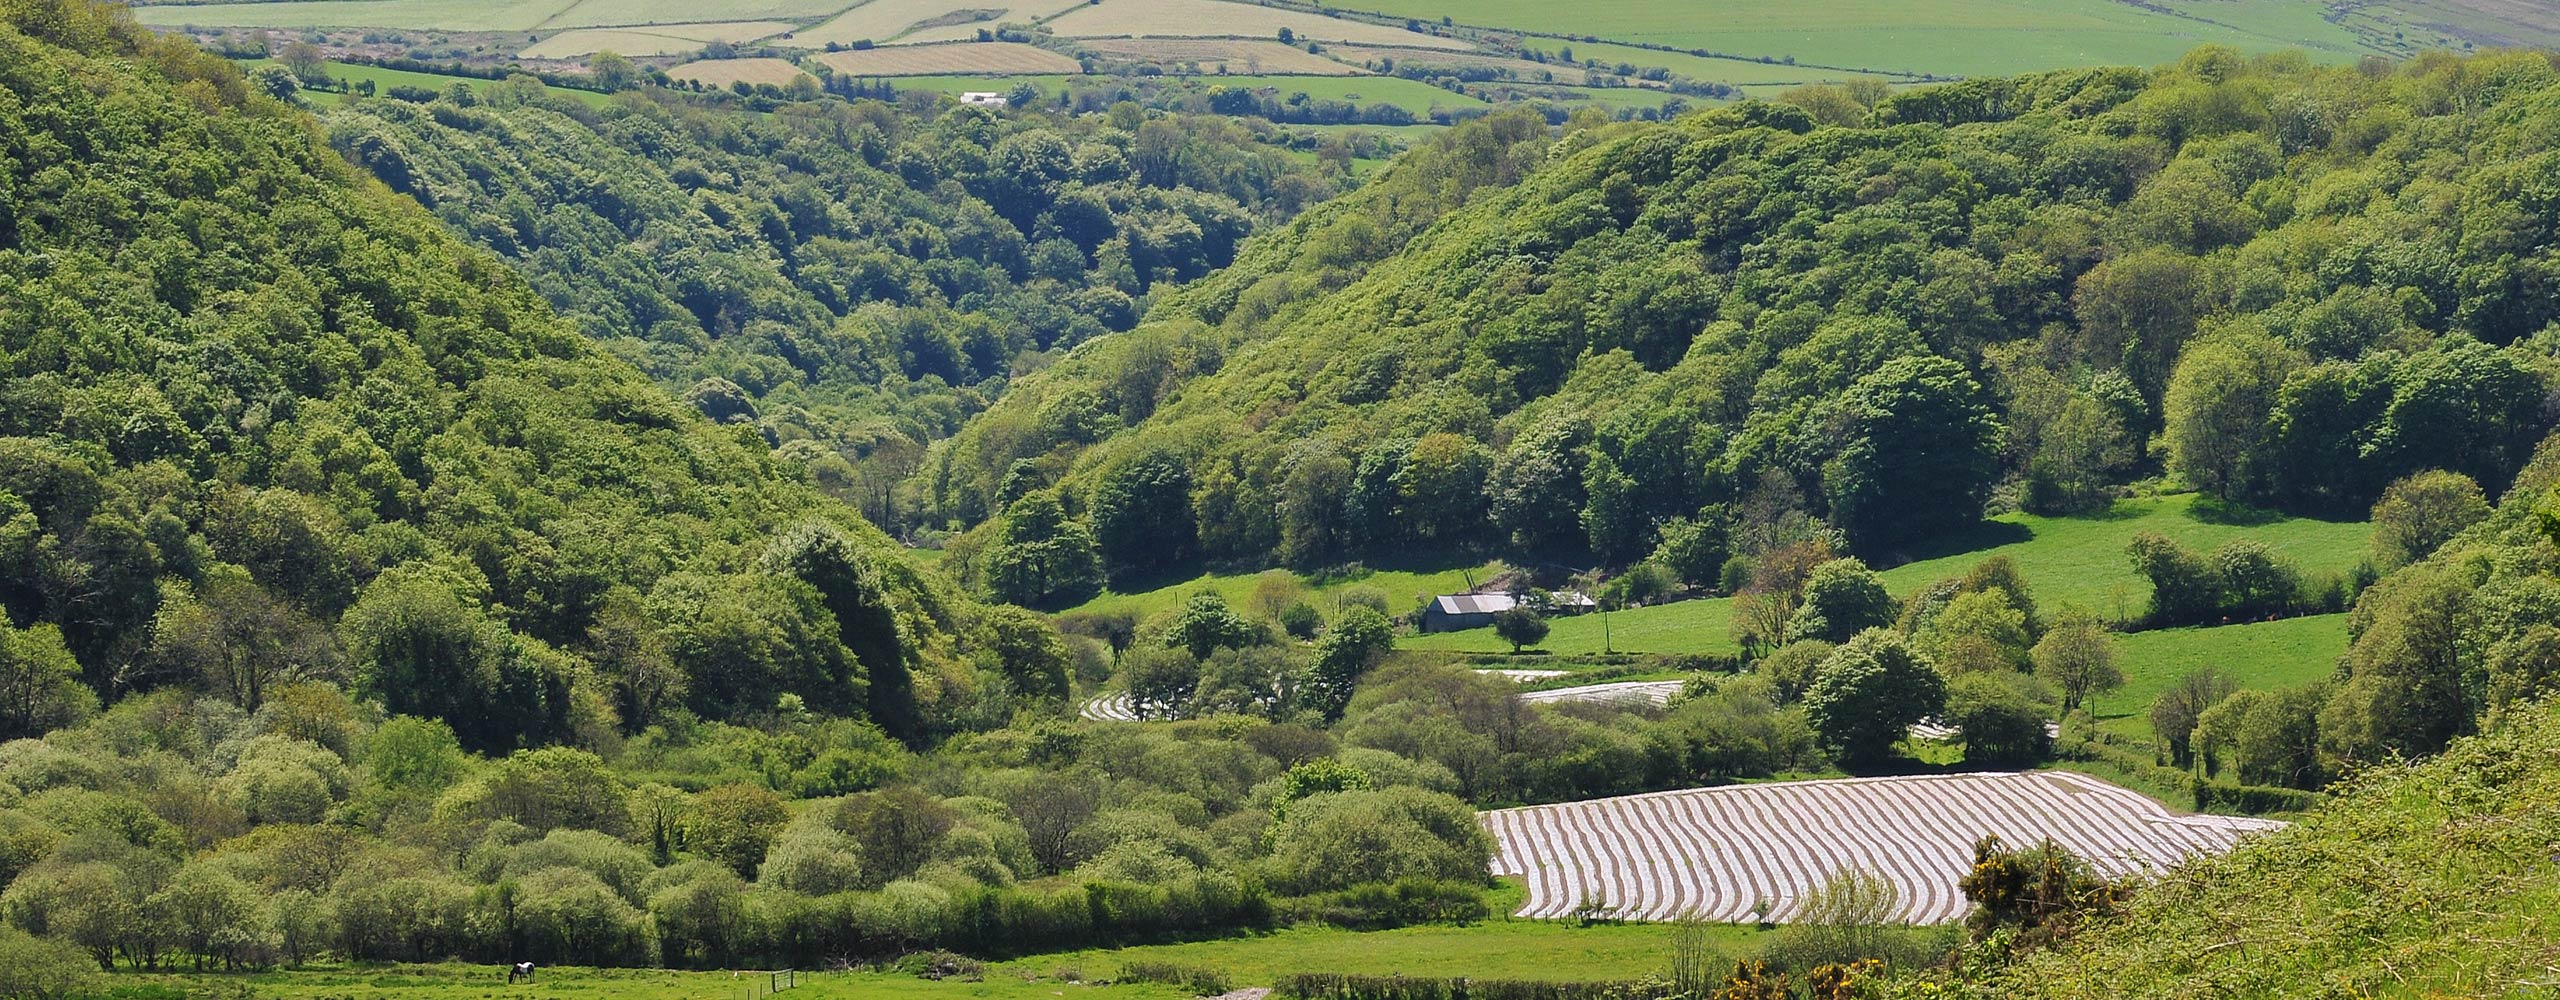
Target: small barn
[
  {"x": 1455, "y": 612},
  {"x": 984, "y": 99}
]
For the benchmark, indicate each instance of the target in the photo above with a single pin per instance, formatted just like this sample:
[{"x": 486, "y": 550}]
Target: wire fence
[{"x": 766, "y": 984}]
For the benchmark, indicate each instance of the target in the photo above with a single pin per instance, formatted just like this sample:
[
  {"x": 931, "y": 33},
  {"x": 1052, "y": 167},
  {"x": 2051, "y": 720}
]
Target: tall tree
[
  {"x": 1919, "y": 450},
  {"x": 2078, "y": 658},
  {"x": 1868, "y": 693}
]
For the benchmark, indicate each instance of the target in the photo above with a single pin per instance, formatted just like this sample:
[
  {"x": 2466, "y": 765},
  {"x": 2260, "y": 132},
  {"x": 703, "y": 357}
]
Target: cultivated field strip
[
  {"x": 1521, "y": 676},
  {"x": 1718, "y": 852},
  {"x": 1657, "y": 692},
  {"x": 1117, "y": 706},
  {"x": 991, "y": 58}
]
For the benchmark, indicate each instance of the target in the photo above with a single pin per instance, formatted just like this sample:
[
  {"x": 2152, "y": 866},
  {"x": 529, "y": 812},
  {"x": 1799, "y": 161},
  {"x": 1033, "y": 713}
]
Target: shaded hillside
[
  {"x": 853, "y": 279},
  {"x": 265, "y": 422},
  {"x": 2303, "y": 283}
]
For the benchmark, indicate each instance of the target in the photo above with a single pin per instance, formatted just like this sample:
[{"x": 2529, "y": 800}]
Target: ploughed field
[{"x": 1716, "y": 853}]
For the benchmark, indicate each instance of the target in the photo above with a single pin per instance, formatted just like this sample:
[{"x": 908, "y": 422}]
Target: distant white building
[
  {"x": 1453, "y": 612},
  {"x": 984, "y": 99}
]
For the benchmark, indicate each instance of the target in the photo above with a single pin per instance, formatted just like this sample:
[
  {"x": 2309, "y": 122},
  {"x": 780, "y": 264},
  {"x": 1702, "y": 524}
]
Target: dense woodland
[
  {"x": 854, "y": 279},
  {"x": 1863, "y": 314},
  {"x": 360, "y": 605}
]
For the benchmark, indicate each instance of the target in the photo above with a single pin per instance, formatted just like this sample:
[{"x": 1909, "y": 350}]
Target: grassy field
[
  {"x": 2081, "y": 560},
  {"x": 1412, "y": 95},
  {"x": 385, "y": 79},
  {"x": 1738, "y": 72},
  {"x": 1405, "y": 589},
  {"x": 1701, "y": 626},
  {"x": 2068, "y": 560},
  {"x": 485, "y": 982},
  {"x": 991, "y": 58},
  {"x": 2260, "y": 655},
  {"x": 1499, "y": 948},
  {"x": 1947, "y": 37}
]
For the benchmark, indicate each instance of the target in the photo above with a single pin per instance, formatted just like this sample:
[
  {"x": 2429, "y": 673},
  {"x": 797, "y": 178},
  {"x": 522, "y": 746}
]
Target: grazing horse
[{"x": 520, "y": 970}]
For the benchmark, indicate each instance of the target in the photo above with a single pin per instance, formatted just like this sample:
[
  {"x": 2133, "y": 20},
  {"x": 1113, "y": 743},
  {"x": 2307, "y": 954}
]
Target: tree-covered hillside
[
  {"x": 853, "y": 279},
  {"x": 2284, "y": 284},
  {"x": 266, "y": 423}
]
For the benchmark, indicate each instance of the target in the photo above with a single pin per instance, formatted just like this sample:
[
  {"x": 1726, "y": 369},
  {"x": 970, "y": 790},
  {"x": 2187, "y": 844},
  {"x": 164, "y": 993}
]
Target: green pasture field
[
  {"x": 1500, "y": 948},
  {"x": 1700, "y": 626},
  {"x": 2081, "y": 560},
  {"x": 1737, "y": 72},
  {"x": 1413, "y": 95},
  {"x": 2066, "y": 560},
  {"x": 1496, "y": 948},
  {"x": 454, "y": 981},
  {"x": 1406, "y": 589},
  {"x": 2258, "y": 655},
  {"x": 1947, "y": 37},
  {"x": 385, "y": 79}
]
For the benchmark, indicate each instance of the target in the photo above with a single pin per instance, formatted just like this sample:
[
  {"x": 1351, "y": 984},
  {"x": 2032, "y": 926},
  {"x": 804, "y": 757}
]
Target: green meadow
[
  {"x": 1500, "y": 948},
  {"x": 2082, "y": 561},
  {"x": 1404, "y": 589},
  {"x": 454, "y": 981},
  {"x": 1945, "y": 37},
  {"x": 2066, "y": 560},
  {"x": 2261, "y": 655}
]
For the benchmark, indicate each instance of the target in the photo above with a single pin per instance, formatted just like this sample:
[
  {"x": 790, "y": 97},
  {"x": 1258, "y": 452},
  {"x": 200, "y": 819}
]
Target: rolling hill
[
  {"x": 253, "y": 393},
  {"x": 1882, "y": 318}
]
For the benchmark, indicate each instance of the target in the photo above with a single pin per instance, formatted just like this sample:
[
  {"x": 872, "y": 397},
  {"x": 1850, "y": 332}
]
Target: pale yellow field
[
  {"x": 887, "y": 20},
  {"x": 642, "y": 13},
  {"x": 1522, "y": 69},
  {"x": 1224, "y": 55},
  {"x": 723, "y": 72},
  {"x": 959, "y": 58},
  {"x": 1214, "y": 19},
  {"x": 659, "y": 40}
]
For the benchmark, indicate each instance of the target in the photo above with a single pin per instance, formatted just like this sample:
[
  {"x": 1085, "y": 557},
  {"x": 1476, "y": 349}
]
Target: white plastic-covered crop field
[
  {"x": 1657, "y": 692},
  {"x": 1718, "y": 852}
]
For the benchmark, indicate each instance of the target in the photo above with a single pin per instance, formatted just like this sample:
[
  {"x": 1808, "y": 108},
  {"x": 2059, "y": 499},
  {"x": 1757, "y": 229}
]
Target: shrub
[
  {"x": 1520, "y": 627},
  {"x": 42, "y": 968},
  {"x": 1198, "y": 979}
]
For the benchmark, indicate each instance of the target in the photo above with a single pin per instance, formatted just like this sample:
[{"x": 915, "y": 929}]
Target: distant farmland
[
  {"x": 925, "y": 20},
  {"x": 673, "y": 39},
  {"x": 992, "y": 58},
  {"x": 723, "y": 72},
  {"x": 1762, "y": 45},
  {"x": 1216, "y": 19},
  {"x": 1718, "y": 853},
  {"x": 1224, "y": 55}
]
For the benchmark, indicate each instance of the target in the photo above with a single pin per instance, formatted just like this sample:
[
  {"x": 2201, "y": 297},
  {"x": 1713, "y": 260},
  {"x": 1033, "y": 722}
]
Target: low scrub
[{"x": 1334, "y": 986}]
